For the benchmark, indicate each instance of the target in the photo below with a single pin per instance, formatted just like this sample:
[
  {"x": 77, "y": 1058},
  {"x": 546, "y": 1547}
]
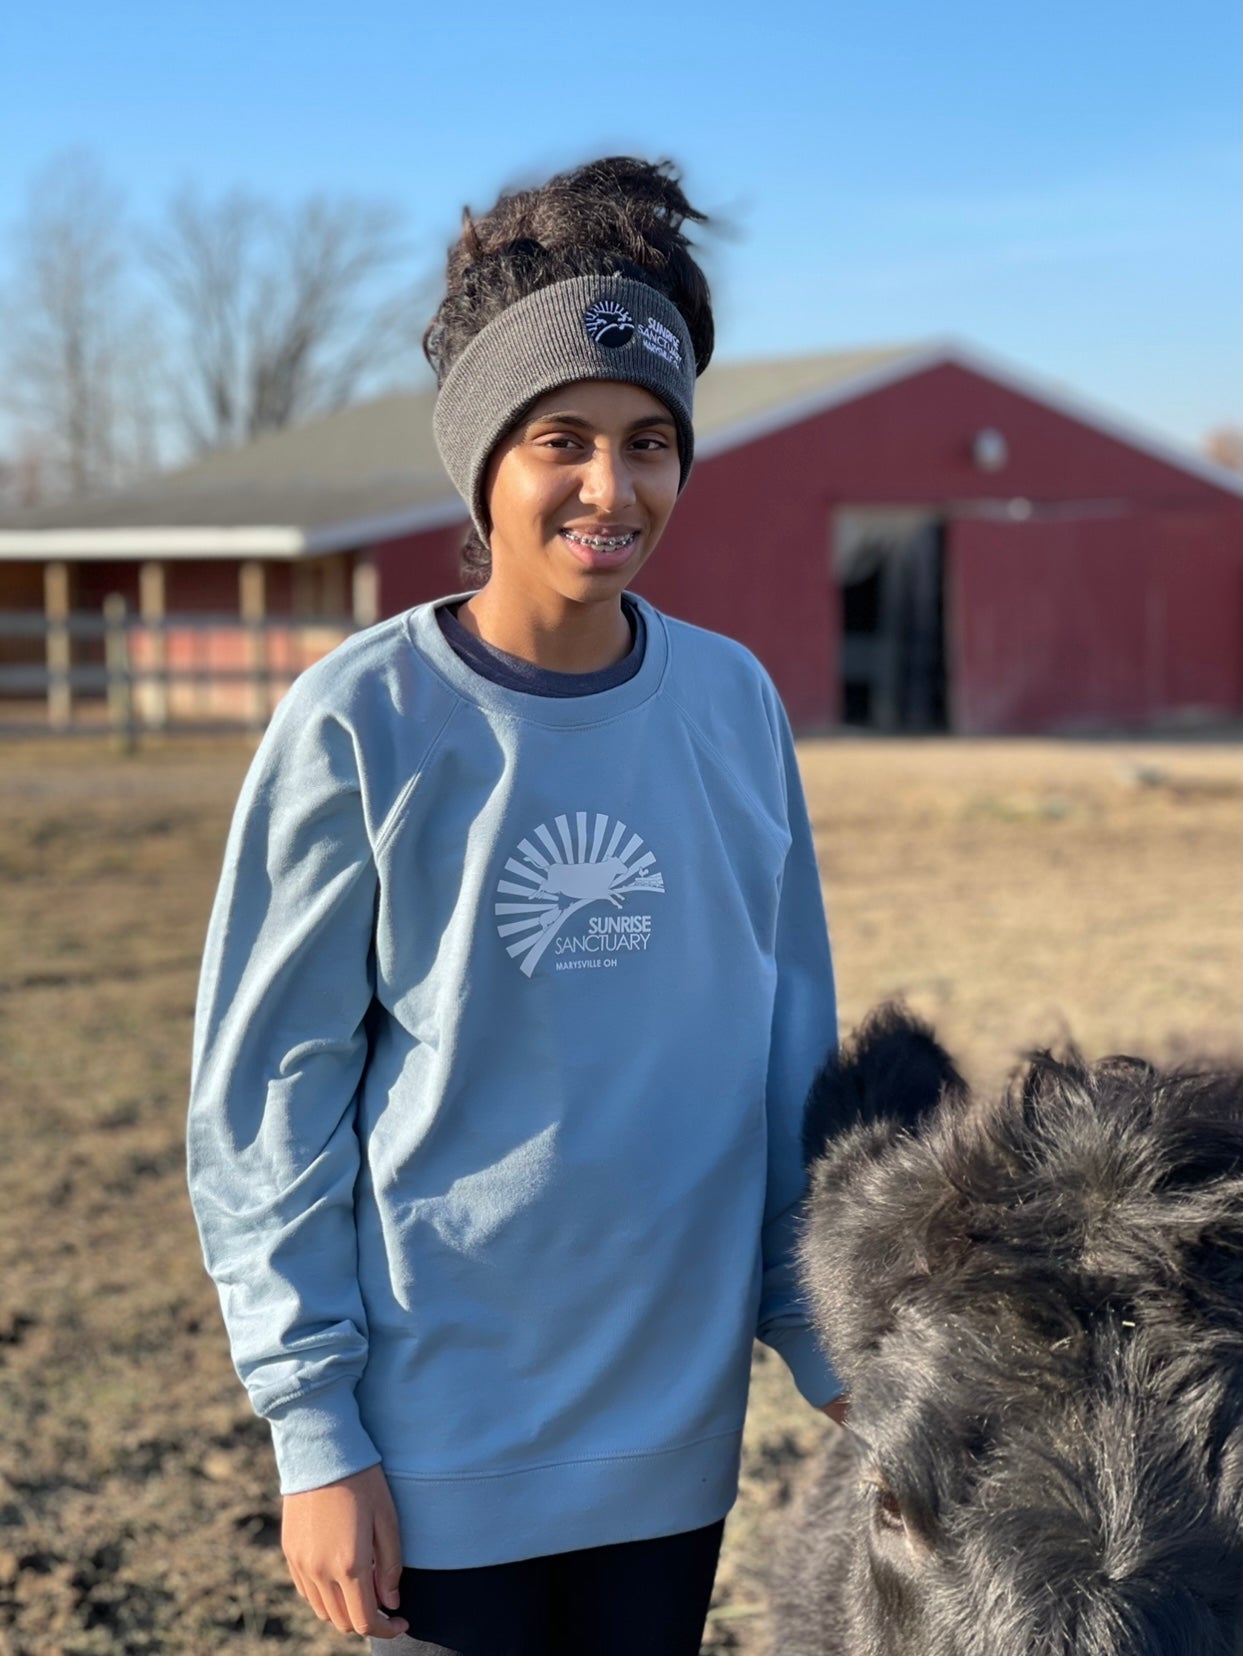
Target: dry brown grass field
[{"x": 1013, "y": 892}]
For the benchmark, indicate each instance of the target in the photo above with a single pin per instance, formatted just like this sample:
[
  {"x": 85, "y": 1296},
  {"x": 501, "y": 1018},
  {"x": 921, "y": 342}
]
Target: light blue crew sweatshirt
[{"x": 508, "y": 1011}]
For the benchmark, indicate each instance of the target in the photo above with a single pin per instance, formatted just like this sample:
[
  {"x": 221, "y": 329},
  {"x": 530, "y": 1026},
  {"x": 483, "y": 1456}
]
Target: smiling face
[{"x": 579, "y": 493}]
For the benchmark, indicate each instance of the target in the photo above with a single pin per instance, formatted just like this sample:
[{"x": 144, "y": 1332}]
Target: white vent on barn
[{"x": 989, "y": 449}]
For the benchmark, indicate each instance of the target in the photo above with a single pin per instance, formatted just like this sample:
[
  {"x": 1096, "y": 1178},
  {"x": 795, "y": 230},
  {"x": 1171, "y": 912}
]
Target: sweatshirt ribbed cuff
[
  {"x": 320, "y": 1438},
  {"x": 813, "y": 1373}
]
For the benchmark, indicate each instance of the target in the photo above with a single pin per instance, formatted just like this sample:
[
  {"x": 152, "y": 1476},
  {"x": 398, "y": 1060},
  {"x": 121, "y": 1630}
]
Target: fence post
[
  {"x": 59, "y": 652},
  {"x": 366, "y": 593},
  {"x": 151, "y": 604},
  {"x": 253, "y": 604},
  {"x": 116, "y": 662}
]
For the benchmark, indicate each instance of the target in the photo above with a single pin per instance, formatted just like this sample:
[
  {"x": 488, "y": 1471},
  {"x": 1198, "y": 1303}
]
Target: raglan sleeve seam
[
  {"x": 396, "y": 812},
  {"x": 745, "y": 789}
]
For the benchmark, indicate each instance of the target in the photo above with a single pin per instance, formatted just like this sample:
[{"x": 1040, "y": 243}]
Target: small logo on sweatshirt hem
[{"x": 557, "y": 873}]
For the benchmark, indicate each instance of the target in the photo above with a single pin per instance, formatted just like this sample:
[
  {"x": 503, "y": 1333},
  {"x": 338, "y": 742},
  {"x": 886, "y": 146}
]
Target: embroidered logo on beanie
[
  {"x": 609, "y": 324},
  {"x": 661, "y": 341}
]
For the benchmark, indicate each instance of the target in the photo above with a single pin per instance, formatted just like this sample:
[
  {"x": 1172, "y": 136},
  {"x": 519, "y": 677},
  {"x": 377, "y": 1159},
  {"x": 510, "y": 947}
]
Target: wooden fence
[{"x": 115, "y": 671}]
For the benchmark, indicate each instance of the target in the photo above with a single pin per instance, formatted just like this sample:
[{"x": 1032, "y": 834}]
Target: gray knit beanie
[{"x": 584, "y": 328}]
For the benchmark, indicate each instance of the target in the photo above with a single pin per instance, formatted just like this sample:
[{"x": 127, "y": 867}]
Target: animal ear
[{"x": 893, "y": 1071}]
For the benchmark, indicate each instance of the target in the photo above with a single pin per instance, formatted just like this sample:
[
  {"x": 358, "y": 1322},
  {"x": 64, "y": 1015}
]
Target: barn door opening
[{"x": 889, "y": 566}]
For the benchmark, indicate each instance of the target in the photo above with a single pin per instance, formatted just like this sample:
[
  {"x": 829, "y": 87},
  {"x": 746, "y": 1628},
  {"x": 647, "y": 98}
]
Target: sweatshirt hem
[{"x": 453, "y": 1523}]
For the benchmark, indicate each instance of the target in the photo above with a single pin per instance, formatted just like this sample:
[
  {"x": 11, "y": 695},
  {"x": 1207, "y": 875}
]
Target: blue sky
[{"x": 1059, "y": 184}]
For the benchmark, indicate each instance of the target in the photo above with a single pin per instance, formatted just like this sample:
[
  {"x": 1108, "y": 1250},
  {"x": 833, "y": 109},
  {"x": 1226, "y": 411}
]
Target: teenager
[{"x": 516, "y": 979}]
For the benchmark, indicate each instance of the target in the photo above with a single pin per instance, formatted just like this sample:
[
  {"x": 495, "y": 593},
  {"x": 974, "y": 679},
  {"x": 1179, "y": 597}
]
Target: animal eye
[
  {"x": 886, "y": 1508},
  {"x": 889, "y": 1512}
]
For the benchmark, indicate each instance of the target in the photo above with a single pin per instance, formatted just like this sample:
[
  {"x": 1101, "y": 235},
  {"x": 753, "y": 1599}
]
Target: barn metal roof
[
  {"x": 371, "y": 471},
  {"x": 368, "y": 469}
]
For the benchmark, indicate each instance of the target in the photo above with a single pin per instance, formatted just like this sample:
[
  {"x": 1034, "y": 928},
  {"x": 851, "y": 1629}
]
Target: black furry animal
[{"x": 1036, "y": 1302}]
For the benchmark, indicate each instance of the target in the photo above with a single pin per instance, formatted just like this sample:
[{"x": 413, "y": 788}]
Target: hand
[
  {"x": 343, "y": 1548},
  {"x": 838, "y": 1409}
]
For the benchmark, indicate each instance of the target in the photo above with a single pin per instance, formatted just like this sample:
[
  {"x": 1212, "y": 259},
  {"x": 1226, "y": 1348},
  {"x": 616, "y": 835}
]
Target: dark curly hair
[{"x": 616, "y": 216}]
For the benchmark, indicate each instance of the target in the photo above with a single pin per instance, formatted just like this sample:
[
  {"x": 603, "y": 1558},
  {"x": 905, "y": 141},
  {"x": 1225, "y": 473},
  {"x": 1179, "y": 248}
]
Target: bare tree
[
  {"x": 203, "y": 257},
  {"x": 80, "y": 356},
  {"x": 282, "y": 315},
  {"x": 22, "y": 474}
]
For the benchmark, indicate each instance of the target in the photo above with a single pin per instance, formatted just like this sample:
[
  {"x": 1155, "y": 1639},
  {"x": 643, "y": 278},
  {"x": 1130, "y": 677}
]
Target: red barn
[{"x": 912, "y": 538}]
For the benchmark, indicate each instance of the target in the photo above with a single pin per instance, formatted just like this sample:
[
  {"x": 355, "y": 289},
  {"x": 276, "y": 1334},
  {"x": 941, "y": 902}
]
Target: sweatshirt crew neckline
[
  {"x": 569, "y": 712},
  {"x": 520, "y": 674}
]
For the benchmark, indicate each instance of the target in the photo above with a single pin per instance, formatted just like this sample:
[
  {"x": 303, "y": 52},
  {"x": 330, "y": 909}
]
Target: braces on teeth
[{"x": 599, "y": 543}]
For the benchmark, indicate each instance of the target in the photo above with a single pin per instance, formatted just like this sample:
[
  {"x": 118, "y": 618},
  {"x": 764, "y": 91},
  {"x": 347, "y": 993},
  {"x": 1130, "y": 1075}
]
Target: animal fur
[{"x": 1036, "y": 1301}]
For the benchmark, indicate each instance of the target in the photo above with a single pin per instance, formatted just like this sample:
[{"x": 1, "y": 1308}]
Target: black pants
[{"x": 649, "y": 1596}]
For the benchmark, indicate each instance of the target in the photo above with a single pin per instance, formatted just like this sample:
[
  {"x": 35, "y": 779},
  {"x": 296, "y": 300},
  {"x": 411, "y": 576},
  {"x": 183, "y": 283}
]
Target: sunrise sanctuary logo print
[{"x": 550, "y": 880}]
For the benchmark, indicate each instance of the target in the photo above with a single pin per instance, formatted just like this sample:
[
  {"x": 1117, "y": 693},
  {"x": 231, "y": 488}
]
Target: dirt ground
[{"x": 1014, "y": 892}]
